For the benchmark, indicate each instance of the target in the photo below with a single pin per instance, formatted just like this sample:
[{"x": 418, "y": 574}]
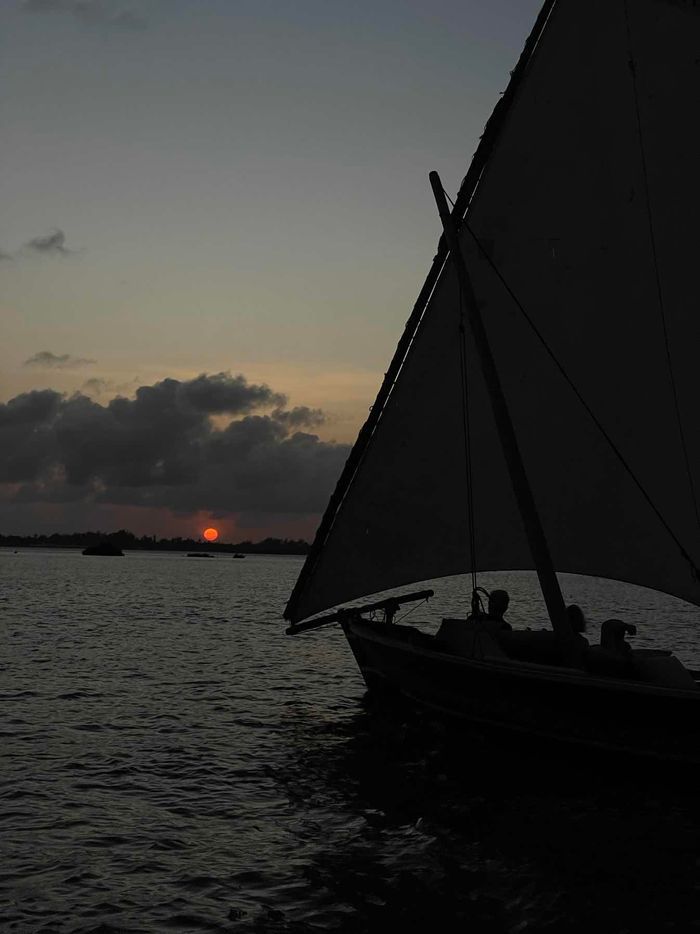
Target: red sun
[{"x": 211, "y": 535}]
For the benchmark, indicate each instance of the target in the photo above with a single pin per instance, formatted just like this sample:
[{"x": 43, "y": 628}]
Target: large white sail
[{"x": 587, "y": 209}]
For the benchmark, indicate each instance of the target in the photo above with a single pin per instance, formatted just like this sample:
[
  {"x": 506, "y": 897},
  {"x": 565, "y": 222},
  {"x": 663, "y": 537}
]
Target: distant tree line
[{"x": 128, "y": 541}]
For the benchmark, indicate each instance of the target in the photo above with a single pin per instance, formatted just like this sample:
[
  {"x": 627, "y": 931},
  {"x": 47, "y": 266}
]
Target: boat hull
[{"x": 559, "y": 705}]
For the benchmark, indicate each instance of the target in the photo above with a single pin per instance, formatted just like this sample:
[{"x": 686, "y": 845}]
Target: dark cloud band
[{"x": 163, "y": 449}]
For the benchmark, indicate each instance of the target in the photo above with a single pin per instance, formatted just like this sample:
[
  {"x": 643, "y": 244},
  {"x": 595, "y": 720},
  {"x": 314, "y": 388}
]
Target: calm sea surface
[{"x": 171, "y": 761}]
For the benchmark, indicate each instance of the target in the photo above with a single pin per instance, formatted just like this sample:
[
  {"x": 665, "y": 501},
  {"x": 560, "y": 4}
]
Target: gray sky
[{"x": 219, "y": 186}]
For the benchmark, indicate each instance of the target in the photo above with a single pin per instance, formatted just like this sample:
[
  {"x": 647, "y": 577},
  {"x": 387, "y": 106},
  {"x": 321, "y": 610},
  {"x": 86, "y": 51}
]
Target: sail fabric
[{"x": 588, "y": 209}]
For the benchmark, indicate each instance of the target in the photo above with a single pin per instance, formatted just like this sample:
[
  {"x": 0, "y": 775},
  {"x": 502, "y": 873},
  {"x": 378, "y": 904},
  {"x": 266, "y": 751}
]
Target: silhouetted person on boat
[
  {"x": 578, "y": 623},
  {"x": 477, "y": 637},
  {"x": 577, "y": 620},
  {"x": 613, "y": 656},
  {"x": 612, "y": 636},
  {"x": 492, "y": 621},
  {"x": 498, "y": 604}
]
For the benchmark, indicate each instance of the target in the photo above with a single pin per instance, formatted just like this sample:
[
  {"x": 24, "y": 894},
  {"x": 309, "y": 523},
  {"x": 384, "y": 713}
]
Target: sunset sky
[{"x": 216, "y": 218}]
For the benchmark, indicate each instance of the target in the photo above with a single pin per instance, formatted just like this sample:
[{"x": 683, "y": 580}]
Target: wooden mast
[{"x": 509, "y": 443}]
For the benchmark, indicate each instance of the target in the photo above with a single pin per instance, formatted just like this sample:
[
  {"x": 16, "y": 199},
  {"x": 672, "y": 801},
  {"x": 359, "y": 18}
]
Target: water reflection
[{"x": 419, "y": 827}]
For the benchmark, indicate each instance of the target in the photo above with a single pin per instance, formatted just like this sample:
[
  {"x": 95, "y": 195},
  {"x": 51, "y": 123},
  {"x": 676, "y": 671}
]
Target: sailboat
[{"x": 540, "y": 411}]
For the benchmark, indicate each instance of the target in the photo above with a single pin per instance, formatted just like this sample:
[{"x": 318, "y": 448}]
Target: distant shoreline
[{"x": 129, "y": 542}]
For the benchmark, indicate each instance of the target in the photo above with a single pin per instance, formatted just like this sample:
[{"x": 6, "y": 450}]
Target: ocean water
[{"x": 171, "y": 761}]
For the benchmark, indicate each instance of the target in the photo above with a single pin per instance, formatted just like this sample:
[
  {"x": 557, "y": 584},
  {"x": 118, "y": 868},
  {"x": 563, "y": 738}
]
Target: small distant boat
[
  {"x": 239, "y": 556},
  {"x": 199, "y": 554},
  {"x": 105, "y": 550}
]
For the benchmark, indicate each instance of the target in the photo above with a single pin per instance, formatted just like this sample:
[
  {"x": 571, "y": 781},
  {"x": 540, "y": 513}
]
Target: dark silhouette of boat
[
  {"x": 239, "y": 556},
  {"x": 540, "y": 410},
  {"x": 199, "y": 554},
  {"x": 104, "y": 549}
]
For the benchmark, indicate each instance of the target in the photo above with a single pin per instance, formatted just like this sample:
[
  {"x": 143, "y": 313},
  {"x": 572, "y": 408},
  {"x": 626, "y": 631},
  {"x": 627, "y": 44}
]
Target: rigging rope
[
  {"x": 596, "y": 422},
  {"x": 408, "y": 612},
  {"x": 657, "y": 274}
]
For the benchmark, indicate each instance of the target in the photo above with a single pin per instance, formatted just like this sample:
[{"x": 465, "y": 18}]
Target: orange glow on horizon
[{"x": 211, "y": 535}]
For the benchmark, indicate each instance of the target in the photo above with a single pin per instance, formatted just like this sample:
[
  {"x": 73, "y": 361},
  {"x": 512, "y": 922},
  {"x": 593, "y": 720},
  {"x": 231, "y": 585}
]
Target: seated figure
[
  {"x": 577, "y": 620},
  {"x": 613, "y": 656},
  {"x": 498, "y": 604},
  {"x": 544, "y": 646},
  {"x": 478, "y": 635},
  {"x": 612, "y": 636},
  {"x": 578, "y": 623}
]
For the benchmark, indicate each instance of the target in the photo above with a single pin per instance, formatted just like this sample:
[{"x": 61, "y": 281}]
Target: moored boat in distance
[
  {"x": 199, "y": 554},
  {"x": 104, "y": 549},
  {"x": 516, "y": 429}
]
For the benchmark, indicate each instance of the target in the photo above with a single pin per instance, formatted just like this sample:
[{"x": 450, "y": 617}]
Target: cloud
[
  {"x": 300, "y": 417},
  {"x": 46, "y": 360},
  {"x": 91, "y": 12},
  {"x": 96, "y": 386},
  {"x": 164, "y": 448},
  {"x": 51, "y": 244},
  {"x": 27, "y": 446},
  {"x": 30, "y": 409},
  {"x": 5, "y": 257},
  {"x": 222, "y": 393}
]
